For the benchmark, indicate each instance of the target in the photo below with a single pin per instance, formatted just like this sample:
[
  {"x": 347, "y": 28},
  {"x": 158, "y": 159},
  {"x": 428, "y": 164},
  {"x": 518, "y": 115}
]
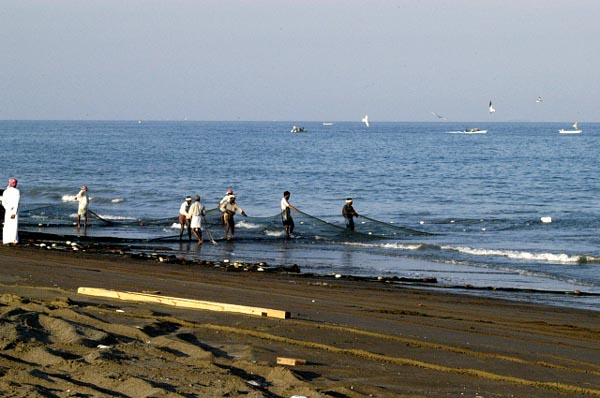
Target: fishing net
[{"x": 60, "y": 219}]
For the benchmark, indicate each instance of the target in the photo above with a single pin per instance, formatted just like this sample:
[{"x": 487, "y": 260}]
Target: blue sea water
[{"x": 465, "y": 209}]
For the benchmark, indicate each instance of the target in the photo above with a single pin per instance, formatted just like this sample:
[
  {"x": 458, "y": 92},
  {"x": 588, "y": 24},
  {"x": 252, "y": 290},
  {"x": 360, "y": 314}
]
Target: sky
[{"x": 300, "y": 60}]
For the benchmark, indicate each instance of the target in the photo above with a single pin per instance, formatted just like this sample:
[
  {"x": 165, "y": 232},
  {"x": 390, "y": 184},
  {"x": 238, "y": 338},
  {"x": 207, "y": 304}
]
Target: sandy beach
[{"x": 353, "y": 338}]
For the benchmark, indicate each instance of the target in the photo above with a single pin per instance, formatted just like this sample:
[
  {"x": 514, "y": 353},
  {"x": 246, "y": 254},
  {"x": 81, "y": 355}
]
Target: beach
[
  {"x": 346, "y": 337},
  {"x": 466, "y": 266}
]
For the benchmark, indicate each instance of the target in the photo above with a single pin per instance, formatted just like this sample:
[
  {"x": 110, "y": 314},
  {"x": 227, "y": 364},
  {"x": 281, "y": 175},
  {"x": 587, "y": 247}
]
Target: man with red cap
[
  {"x": 229, "y": 210},
  {"x": 10, "y": 202}
]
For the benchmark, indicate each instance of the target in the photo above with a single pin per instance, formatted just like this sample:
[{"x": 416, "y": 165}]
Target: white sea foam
[
  {"x": 69, "y": 198},
  {"x": 72, "y": 198},
  {"x": 512, "y": 254},
  {"x": 518, "y": 255},
  {"x": 116, "y": 218},
  {"x": 278, "y": 233},
  {"x": 246, "y": 225},
  {"x": 400, "y": 246}
]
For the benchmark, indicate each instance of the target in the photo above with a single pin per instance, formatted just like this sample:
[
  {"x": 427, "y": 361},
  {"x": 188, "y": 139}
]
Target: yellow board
[
  {"x": 290, "y": 361},
  {"x": 183, "y": 302}
]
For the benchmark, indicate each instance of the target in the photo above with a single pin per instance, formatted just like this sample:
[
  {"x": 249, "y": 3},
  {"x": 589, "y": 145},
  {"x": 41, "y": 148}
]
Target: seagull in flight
[
  {"x": 439, "y": 116},
  {"x": 491, "y": 108},
  {"x": 365, "y": 120},
  {"x": 539, "y": 99}
]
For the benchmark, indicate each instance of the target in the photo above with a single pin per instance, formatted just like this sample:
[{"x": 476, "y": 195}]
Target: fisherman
[
  {"x": 1, "y": 207},
  {"x": 195, "y": 213},
  {"x": 184, "y": 222},
  {"x": 286, "y": 216},
  {"x": 10, "y": 201},
  {"x": 229, "y": 209},
  {"x": 349, "y": 213},
  {"x": 222, "y": 203},
  {"x": 82, "y": 210}
]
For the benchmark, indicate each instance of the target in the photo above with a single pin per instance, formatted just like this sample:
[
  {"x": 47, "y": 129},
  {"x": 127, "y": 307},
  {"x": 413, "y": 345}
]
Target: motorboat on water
[
  {"x": 297, "y": 129},
  {"x": 576, "y": 130},
  {"x": 474, "y": 130}
]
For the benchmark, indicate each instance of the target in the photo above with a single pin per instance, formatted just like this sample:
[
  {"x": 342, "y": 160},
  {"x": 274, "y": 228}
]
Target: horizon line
[{"x": 286, "y": 121}]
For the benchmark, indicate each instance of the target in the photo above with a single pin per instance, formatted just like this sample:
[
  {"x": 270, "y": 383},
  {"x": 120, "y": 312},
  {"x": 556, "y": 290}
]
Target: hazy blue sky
[{"x": 300, "y": 60}]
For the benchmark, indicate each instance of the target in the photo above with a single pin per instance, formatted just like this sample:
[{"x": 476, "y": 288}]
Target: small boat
[
  {"x": 474, "y": 130},
  {"x": 297, "y": 129},
  {"x": 327, "y": 124},
  {"x": 576, "y": 130}
]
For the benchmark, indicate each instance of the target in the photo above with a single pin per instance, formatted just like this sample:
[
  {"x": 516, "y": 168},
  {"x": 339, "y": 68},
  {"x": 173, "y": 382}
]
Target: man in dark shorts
[
  {"x": 349, "y": 213},
  {"x": 1, "y": 207},
  {"x": 286, "y": 216}
]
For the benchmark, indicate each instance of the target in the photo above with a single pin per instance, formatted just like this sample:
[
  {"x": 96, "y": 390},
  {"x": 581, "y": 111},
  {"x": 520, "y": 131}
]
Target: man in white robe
[
  {"x": 82, "y": 210},
  {"x": 10, "y": 202}
]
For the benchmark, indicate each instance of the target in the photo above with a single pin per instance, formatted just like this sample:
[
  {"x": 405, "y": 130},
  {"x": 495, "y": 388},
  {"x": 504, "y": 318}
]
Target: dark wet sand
[{"x": 360, "y": 339}]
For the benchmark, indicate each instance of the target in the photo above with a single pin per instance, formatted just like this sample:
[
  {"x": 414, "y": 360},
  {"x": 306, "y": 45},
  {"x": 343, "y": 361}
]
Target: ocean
[{"x": 512, "y": 213}]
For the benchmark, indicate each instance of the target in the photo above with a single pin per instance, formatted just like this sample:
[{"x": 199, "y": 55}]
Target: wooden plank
[
  {"x": 183, "y": 302},
  {"x": 290, "y": 361}
]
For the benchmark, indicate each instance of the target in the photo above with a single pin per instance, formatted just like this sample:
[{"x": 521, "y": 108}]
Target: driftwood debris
[
  {"x": 183, "y": 302},
  {"x": 290, "y": 361}
]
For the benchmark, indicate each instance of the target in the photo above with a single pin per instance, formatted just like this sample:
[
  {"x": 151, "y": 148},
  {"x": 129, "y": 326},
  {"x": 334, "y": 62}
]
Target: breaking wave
[
  {"x": 562, "y": 258},
  {"x": 554, "y": 258}
]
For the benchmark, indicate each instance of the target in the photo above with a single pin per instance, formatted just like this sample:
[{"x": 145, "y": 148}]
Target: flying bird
[
  {"x": 491, "y": 108},
  {"x": 439, "y": 116},
  {"x": 539, "y": 99},
  {"x": 365, "y": 120}
]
